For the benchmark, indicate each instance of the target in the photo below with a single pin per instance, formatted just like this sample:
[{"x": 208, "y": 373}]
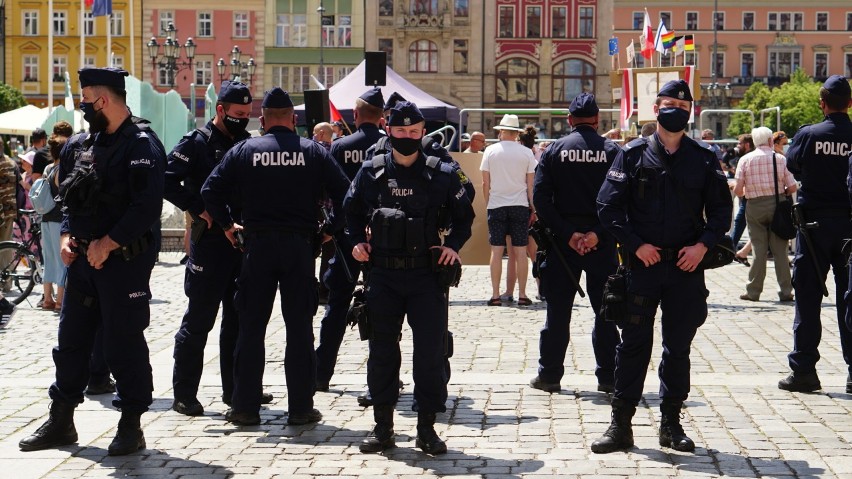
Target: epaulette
[{"x": 636, "y": 143}]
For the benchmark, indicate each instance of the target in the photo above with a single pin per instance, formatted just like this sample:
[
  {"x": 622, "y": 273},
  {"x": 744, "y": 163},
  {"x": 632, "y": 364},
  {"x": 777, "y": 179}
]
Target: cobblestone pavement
[{"x": 495, "y": 425}]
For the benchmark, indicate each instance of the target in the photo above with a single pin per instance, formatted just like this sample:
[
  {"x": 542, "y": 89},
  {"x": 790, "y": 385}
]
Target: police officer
[
  {"x": 400, "y": 197},
  {"x": 214, "y": 264},
  {"x": 652, "y": 201},
  {"x": 275, "y": 180},
  {"x": 567, "y": 181},
  {"x": 819, "y": 158},
  {"x": 112, "y": 201},
  {"x": 349, "y": 152}
]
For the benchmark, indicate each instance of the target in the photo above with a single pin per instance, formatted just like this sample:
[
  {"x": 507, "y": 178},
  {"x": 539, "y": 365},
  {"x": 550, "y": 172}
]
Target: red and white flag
[
  {"x": 626, "y": 98},
  {"x": 648, "y": 32}
]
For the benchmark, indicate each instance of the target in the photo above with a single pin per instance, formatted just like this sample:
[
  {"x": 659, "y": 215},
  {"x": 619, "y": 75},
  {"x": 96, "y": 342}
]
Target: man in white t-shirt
[{"x": 507, "y": 180}]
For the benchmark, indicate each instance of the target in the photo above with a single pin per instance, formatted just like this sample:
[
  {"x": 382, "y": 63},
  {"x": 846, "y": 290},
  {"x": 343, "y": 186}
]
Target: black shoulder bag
[{"x": 782, "y": 219}]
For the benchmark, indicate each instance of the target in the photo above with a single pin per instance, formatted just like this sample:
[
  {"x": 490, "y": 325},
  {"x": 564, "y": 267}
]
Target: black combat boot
[
  {"x": 427, "y": 438},
  {"x": 671, "y": 432},
  {"x": 58, "y": 430},
  {"x": 381, "y": 437},
  {"x": 619, "y": 435},
  {"x": 129, "y": 438}
]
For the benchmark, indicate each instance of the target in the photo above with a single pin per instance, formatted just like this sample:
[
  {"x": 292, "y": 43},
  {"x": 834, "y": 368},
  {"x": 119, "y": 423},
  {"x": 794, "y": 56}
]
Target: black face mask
[
  {"x": 673, "y": 119},
  {"x": 95, "y": 118},
  {"x": 235, "y": 126},
  {"x": 405, "y": 146}
]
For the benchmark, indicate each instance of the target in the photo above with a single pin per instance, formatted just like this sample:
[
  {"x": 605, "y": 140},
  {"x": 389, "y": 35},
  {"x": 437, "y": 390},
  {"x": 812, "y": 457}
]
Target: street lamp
[
  {"x": 236, "y": 66},
  {"x": 717, "y": 96},
  {"x": 321, "y": 11},
  {"x": 171, "y": 61}
]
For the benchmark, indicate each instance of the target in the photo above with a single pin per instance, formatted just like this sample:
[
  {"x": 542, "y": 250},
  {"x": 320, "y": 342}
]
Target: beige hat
[{"x": 509, "y": 122}]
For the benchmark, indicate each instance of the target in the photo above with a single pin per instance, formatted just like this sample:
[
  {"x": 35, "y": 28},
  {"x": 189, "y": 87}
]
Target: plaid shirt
[{"x": 754, "y": 171}]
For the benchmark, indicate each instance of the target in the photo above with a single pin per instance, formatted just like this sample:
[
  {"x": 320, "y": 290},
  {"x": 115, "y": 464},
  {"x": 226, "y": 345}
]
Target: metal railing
[
  {"x": 730, "y": 111},
  {"x": 777, "y": 116}
]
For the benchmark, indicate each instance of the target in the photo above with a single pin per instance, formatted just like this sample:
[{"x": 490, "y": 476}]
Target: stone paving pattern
[{"x": 495, "y": 425}]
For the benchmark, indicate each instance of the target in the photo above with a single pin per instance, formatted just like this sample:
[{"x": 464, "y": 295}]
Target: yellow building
[{"x": 29, "y": 65}]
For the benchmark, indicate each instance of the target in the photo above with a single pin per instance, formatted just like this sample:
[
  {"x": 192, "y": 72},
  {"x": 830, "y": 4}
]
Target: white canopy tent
[{"x": 24, "y": 120}]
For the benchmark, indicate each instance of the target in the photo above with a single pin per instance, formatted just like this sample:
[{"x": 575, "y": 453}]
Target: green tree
[
  {"x": 10, "y": 98},
  {"x": 798, "y": 99}
]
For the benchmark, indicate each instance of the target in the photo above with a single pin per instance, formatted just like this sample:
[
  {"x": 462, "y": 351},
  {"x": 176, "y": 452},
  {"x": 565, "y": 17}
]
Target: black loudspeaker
[
  {"x": 316, "y": 109},
  {"x": 375, "y": 72}
]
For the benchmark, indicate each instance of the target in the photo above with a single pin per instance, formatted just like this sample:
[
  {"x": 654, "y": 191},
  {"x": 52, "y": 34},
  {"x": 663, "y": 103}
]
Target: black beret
[
  {"x": 838, "y": 85},
  {"x": 584, "y": 106},
  {"x": 276, "y": 98},
  {"x": 405, "y": 113},
  {"x": 676, "y": 89},
  {"x": 235, "y": 92},
  {"x": 112, "y": 77},
  {"x": 374, "y": 97},
  {"x": 393, "y": 100}
]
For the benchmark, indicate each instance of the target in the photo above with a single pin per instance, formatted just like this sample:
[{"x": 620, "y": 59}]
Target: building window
[
  {"x": 386, "y": 45},
  {"x": 748, "y": 20},
  {"x": 88, "y": 24},
  {"x": 517, "y": 81},
  {"x": 572, "y": 77},
  {"x": 689, "y": 58},
  {"x": 282, "y": 31},
  {"x": 328, "y": 30},
  {"x": 344, "y": 31},
  {"x": 89, "y": 61},
  {"x": 821, "y": 65},
  {"x": 30, "y": 22},
  {"x": 783, "y": 64},
  {"x": 423, "y": 57},
  {"x": 460, "y": 56},
  {"x": 205, "y": 24},
  {"x": 559, "y": 22},
  {"x": 849, "y": 23},
  {"x": 772, "y": 21},
  {"x": 60, "y": 24},
  {"x": 798, "y": 22},
  {"x": 326, "y": 76},
  {"x": 785, "y": 21},
  {"x": 424, "y": 7},
  {"x": 720, "y": 20},
  {"x": 747, "y": 65},
  {"x": 638, "y": 20},
  {"x": 462, "y": 8},
  {"x": 692, "y": 20},
  {"x": 301, "y": 79},
  {"x": 822, "y": 21},
  {"x": 587, "y": 22},
  {"x": 507, "y": 22},
  {"x": 203, "y": 72},
  {"x": 533, "y": 22},
  {"x": 116, "y": 24},
  {"x": 30, "y": 67},
  {"x": 166, "y": 17},
  {"x": 281, "y": 77},
  {"x": 118, "y": 61},
  {"x": 848, "y": 72},
  {"x": 165, "y": 77},
  {"x": 300, "y": 31},
  {"x": 60, "y": 66},
  {"x": 719, "y": 64},
  {"x": 343, "y": 72},
  {"x": 666, "y": 18},
  {"x": 386, "y": 8},
  {"x": 241, "y": 24}
]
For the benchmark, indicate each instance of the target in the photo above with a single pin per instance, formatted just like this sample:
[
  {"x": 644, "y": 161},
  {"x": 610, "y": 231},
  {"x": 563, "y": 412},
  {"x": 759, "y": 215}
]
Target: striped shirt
[{"x": 755, "y": 172}]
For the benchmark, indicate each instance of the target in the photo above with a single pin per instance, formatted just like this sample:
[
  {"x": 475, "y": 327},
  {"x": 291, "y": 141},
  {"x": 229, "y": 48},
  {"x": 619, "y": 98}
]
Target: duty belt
[
  {"x": 128, "y": 251},
  {"x": 401, "y": 262},
  {"x": 666, "y": 254},
  {"x": 262, "y": 230}
]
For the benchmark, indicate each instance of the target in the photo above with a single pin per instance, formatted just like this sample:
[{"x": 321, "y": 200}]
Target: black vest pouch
[
  {"x": 415, "y": 236},
  {"x": 388, "y": 226}
]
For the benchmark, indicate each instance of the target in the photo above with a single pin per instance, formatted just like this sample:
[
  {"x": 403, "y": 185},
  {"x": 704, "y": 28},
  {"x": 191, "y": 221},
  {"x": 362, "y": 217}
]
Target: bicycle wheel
[{"x": 19, "y": 271}]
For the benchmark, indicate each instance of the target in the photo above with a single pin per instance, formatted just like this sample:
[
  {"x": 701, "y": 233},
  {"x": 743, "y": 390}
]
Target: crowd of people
[{"x": 636, "y": 220}]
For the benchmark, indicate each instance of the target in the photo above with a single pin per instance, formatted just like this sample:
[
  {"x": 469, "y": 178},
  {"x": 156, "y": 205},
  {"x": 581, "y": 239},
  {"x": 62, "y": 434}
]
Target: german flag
[{"x": 689, "y": 44}]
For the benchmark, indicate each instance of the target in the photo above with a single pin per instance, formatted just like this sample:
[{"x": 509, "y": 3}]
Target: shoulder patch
[
  {"x": 141, "y": 135},
  {"x": 638, "y": 142},
  {"x": 616, "y": 175}
]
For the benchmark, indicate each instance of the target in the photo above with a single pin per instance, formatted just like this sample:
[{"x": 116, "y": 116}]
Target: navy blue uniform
[
  {"x": 819, "y": 158},
  {"x": 567, "y": 180},
  {"x": 402, "y": 283},
  {"x": 130, "y": 164},
  {"x": 276, "y": 180},
  {"x": 212, "y": 268},
  {"x": 639, "y": 203},
  {"x": 349, "y": 152}
]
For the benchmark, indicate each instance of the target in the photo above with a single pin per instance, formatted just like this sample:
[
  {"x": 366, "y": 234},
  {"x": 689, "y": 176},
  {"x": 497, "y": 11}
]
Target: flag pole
[
  {"x": 109, "y": 40},
  {"x": 82, "y": 35},
  {"x": 132, "y": 42},
  {"x": 50, "y": 56}
]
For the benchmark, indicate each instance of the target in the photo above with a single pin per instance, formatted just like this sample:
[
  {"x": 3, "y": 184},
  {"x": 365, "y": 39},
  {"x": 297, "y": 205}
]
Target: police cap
[
  {"x": 405, "y": 113},
  {"x": 676, "y": 89},
  {"x": 276, "y": 98},
  {"x": 584, "y": 106},
  {"x": 838, "y": 85},
  {"x": 111, "y": 77},
  {"x": 374, "y": 97},
  {"x": 393, "y": 100},
  {"x": 234, "y": 92}
]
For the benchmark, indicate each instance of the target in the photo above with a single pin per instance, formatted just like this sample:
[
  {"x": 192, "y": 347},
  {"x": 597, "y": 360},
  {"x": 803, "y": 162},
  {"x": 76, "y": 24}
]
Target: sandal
[
  {"x": 742, "y": 260},
  {"x": 495, "y": 302},
  {"x": 522, "y": 301},
  {"x": 48, "y": 305}
]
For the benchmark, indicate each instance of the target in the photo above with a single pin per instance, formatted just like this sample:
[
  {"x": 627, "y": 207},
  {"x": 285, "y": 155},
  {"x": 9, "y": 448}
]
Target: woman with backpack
[{"x": 54, "y": 270}]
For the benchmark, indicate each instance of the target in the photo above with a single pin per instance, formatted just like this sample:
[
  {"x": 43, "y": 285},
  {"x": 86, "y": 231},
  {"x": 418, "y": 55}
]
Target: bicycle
[{"x": 21, "y": 268}]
